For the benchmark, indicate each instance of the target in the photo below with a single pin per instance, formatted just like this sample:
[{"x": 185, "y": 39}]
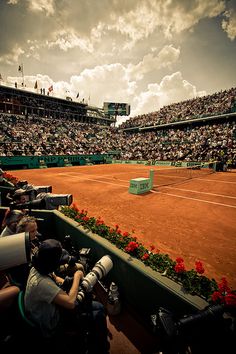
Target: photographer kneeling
[{"x": 52, "y": 309}]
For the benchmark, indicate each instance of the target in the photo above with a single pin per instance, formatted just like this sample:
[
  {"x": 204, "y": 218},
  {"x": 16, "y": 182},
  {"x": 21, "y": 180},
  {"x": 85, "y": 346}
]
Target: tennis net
[{"x": 177, "y": 175}]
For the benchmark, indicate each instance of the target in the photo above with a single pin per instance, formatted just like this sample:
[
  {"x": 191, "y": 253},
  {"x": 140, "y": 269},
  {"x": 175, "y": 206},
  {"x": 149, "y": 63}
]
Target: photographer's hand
[{"x": 69, "y": 300}]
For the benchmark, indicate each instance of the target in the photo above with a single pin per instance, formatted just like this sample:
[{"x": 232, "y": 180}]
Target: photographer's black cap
[{"x": 48, "y": 256}]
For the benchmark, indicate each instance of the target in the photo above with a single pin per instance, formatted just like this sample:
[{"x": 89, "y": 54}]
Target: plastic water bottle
[{"x": 113, "y": 301}]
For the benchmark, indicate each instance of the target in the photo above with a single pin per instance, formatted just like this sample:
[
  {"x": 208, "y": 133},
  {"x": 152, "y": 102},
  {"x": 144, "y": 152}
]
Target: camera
[
  {"x": 207, "y": 331},
  {"x": 27, "y": 187},
  {"x": 43, "y": 200},
  {"x": 100, "y": 270}
]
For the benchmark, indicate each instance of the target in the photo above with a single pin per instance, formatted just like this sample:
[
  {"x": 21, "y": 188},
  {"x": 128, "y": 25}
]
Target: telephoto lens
[{"x": 100, "y": 270}]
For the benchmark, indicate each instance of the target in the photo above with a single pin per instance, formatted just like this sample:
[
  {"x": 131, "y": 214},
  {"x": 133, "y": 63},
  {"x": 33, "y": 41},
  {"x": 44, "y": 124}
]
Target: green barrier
[
  {"x": 22, "y": 162},
  {"x": 159, "y": 163}
]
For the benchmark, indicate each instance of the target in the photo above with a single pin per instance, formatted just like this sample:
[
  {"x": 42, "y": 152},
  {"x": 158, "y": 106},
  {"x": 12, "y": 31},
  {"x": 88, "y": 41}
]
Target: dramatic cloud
[
  {"x": 169, "y": 16},
  {"x": 104, "y": 83},
  {"x": 172, "y": 88},
  {"x": 42, "y": 5},
  {"x": 13, "y": 56},
  {"x": 165, "y": 58},
  {"x": 229, "y": 25},
  {"x": 67, "y": 39},
  {"x": 12, "y": 2}
]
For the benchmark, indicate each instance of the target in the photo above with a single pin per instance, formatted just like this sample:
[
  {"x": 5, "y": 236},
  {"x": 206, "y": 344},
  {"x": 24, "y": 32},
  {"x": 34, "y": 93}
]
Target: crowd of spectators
[
  {"x": 216, "y": 104},
  {"x": 38, "y": 136}
]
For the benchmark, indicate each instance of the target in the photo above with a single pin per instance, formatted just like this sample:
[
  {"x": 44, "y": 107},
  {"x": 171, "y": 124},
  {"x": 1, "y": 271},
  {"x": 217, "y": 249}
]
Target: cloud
[
  {"x": 12, "y": 2},
  {"x": 13, "y": 56},
  {"x": 44, "y": 81},
  {"x": 229, "y": 24},
  {"x": 68, "y": 39},
  {"x": 171, "y": 17},
  {"x": 118, "y": 88},
  {"x": 165, "y": 58},
  {"x": 172, "y": 88},
  {"x": 41, "y": 6},
  {"x": 109, "y": 82},
  {"x": 109, "y": 28}
]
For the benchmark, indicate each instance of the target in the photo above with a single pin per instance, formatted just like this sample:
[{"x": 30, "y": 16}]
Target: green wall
[{"x": 19, "y": 162}]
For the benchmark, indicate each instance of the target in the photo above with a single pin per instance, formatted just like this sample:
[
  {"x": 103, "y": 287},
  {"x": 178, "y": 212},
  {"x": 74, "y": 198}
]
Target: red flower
[
  {"x": 145, "y": 256},
  {"x": 75, "y": 207},
  {"x": 157, "y": 251},
  {"x": 199, "y": 267},
  {"x": 179, "y": 260},
  {"x": 99, "y": 222},
  {"x": 85, "y": 218},
  {"x": 223, "y": 286},
  {"x": 217, "y": 296},
  {"x": 179, "y": 267},
  {"x": 230, "y": 299},
  {"x": 152, "y": 247},
  {"x": 125, "y": 234},
  {"x": 131, "y": 246},
  {"x": 117, "y": 226}
]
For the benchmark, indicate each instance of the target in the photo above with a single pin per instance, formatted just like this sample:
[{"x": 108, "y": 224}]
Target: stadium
[{"x": 146, "y": 196}]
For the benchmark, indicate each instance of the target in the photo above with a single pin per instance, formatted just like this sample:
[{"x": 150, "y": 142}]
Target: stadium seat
[{"x": 21, "y": 307}]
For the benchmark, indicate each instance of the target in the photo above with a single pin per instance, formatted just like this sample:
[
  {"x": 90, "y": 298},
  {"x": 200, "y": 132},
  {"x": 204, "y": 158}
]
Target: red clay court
[{"x": 194, "y": 219}]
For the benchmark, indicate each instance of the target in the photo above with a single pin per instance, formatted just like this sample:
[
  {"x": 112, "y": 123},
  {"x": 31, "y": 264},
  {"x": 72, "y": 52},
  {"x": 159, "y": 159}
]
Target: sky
[{"x": 148, "y": 53}]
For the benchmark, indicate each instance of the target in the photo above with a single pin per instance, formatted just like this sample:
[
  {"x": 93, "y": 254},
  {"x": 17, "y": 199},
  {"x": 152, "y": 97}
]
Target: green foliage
[{"x": 193, "y": 281}]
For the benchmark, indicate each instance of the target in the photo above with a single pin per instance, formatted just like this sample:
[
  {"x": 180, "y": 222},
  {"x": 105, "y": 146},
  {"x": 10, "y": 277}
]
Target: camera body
[
  {"x": 42, "y": 200},
  {"x": 206, "y": 331}
]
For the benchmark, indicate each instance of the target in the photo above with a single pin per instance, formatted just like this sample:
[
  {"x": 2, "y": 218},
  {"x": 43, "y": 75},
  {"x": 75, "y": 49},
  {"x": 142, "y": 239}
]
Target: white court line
[
  {"x": 213, "y": 180},
  {"x": 180, "y": 189},
  {"x": 169, "y": 194},
  {"x": 198, "y": 200},
  {"x": 95, "y": 180},
  {"x": 192, "y": 191}
]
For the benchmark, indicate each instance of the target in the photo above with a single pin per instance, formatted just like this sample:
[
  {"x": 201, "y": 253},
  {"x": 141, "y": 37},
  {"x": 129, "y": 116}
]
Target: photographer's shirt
[
  {"x": 39, "y": 295},
  {"x": 7, "y": 232}
]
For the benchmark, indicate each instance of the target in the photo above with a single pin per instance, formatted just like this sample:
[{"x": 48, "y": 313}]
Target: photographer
[
  {"x": 29, "y": 224},
  {"x": 53, "y": 310},
  {"x": 18, "y": 275},
  {"x": 9, "y": 224}
]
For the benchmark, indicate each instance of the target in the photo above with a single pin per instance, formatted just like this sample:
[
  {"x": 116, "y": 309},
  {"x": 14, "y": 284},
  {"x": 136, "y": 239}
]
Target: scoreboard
[{"x": 116, "y": 109}]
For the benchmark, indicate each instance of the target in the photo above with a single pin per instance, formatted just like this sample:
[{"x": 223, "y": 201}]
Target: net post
[{"x": 151, "y": 178}]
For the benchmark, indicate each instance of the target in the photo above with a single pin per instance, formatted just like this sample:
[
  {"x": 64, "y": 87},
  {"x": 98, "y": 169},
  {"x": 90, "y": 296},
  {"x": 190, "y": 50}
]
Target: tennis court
[{"x": 192, "y": 218}]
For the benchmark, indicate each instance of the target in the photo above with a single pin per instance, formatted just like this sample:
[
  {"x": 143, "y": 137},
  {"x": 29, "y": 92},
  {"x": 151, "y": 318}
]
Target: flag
[
  {"x": 50, "y": 88},
  {"x": 36, "y": 85},
  {"x": 77, "y": 95},
  {"x": 20, "y": 69}
]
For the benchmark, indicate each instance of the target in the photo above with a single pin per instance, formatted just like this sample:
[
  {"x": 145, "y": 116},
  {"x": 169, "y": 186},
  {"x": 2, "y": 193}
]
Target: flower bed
[{"x": 193, "y": 281}]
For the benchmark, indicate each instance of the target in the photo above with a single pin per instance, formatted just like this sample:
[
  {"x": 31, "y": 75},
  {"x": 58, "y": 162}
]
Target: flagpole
[{"x": 22, "y": 74}]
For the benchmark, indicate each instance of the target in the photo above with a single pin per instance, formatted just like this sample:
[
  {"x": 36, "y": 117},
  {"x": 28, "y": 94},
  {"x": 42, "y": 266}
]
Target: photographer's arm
[{"x": 68, "y": 300}]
